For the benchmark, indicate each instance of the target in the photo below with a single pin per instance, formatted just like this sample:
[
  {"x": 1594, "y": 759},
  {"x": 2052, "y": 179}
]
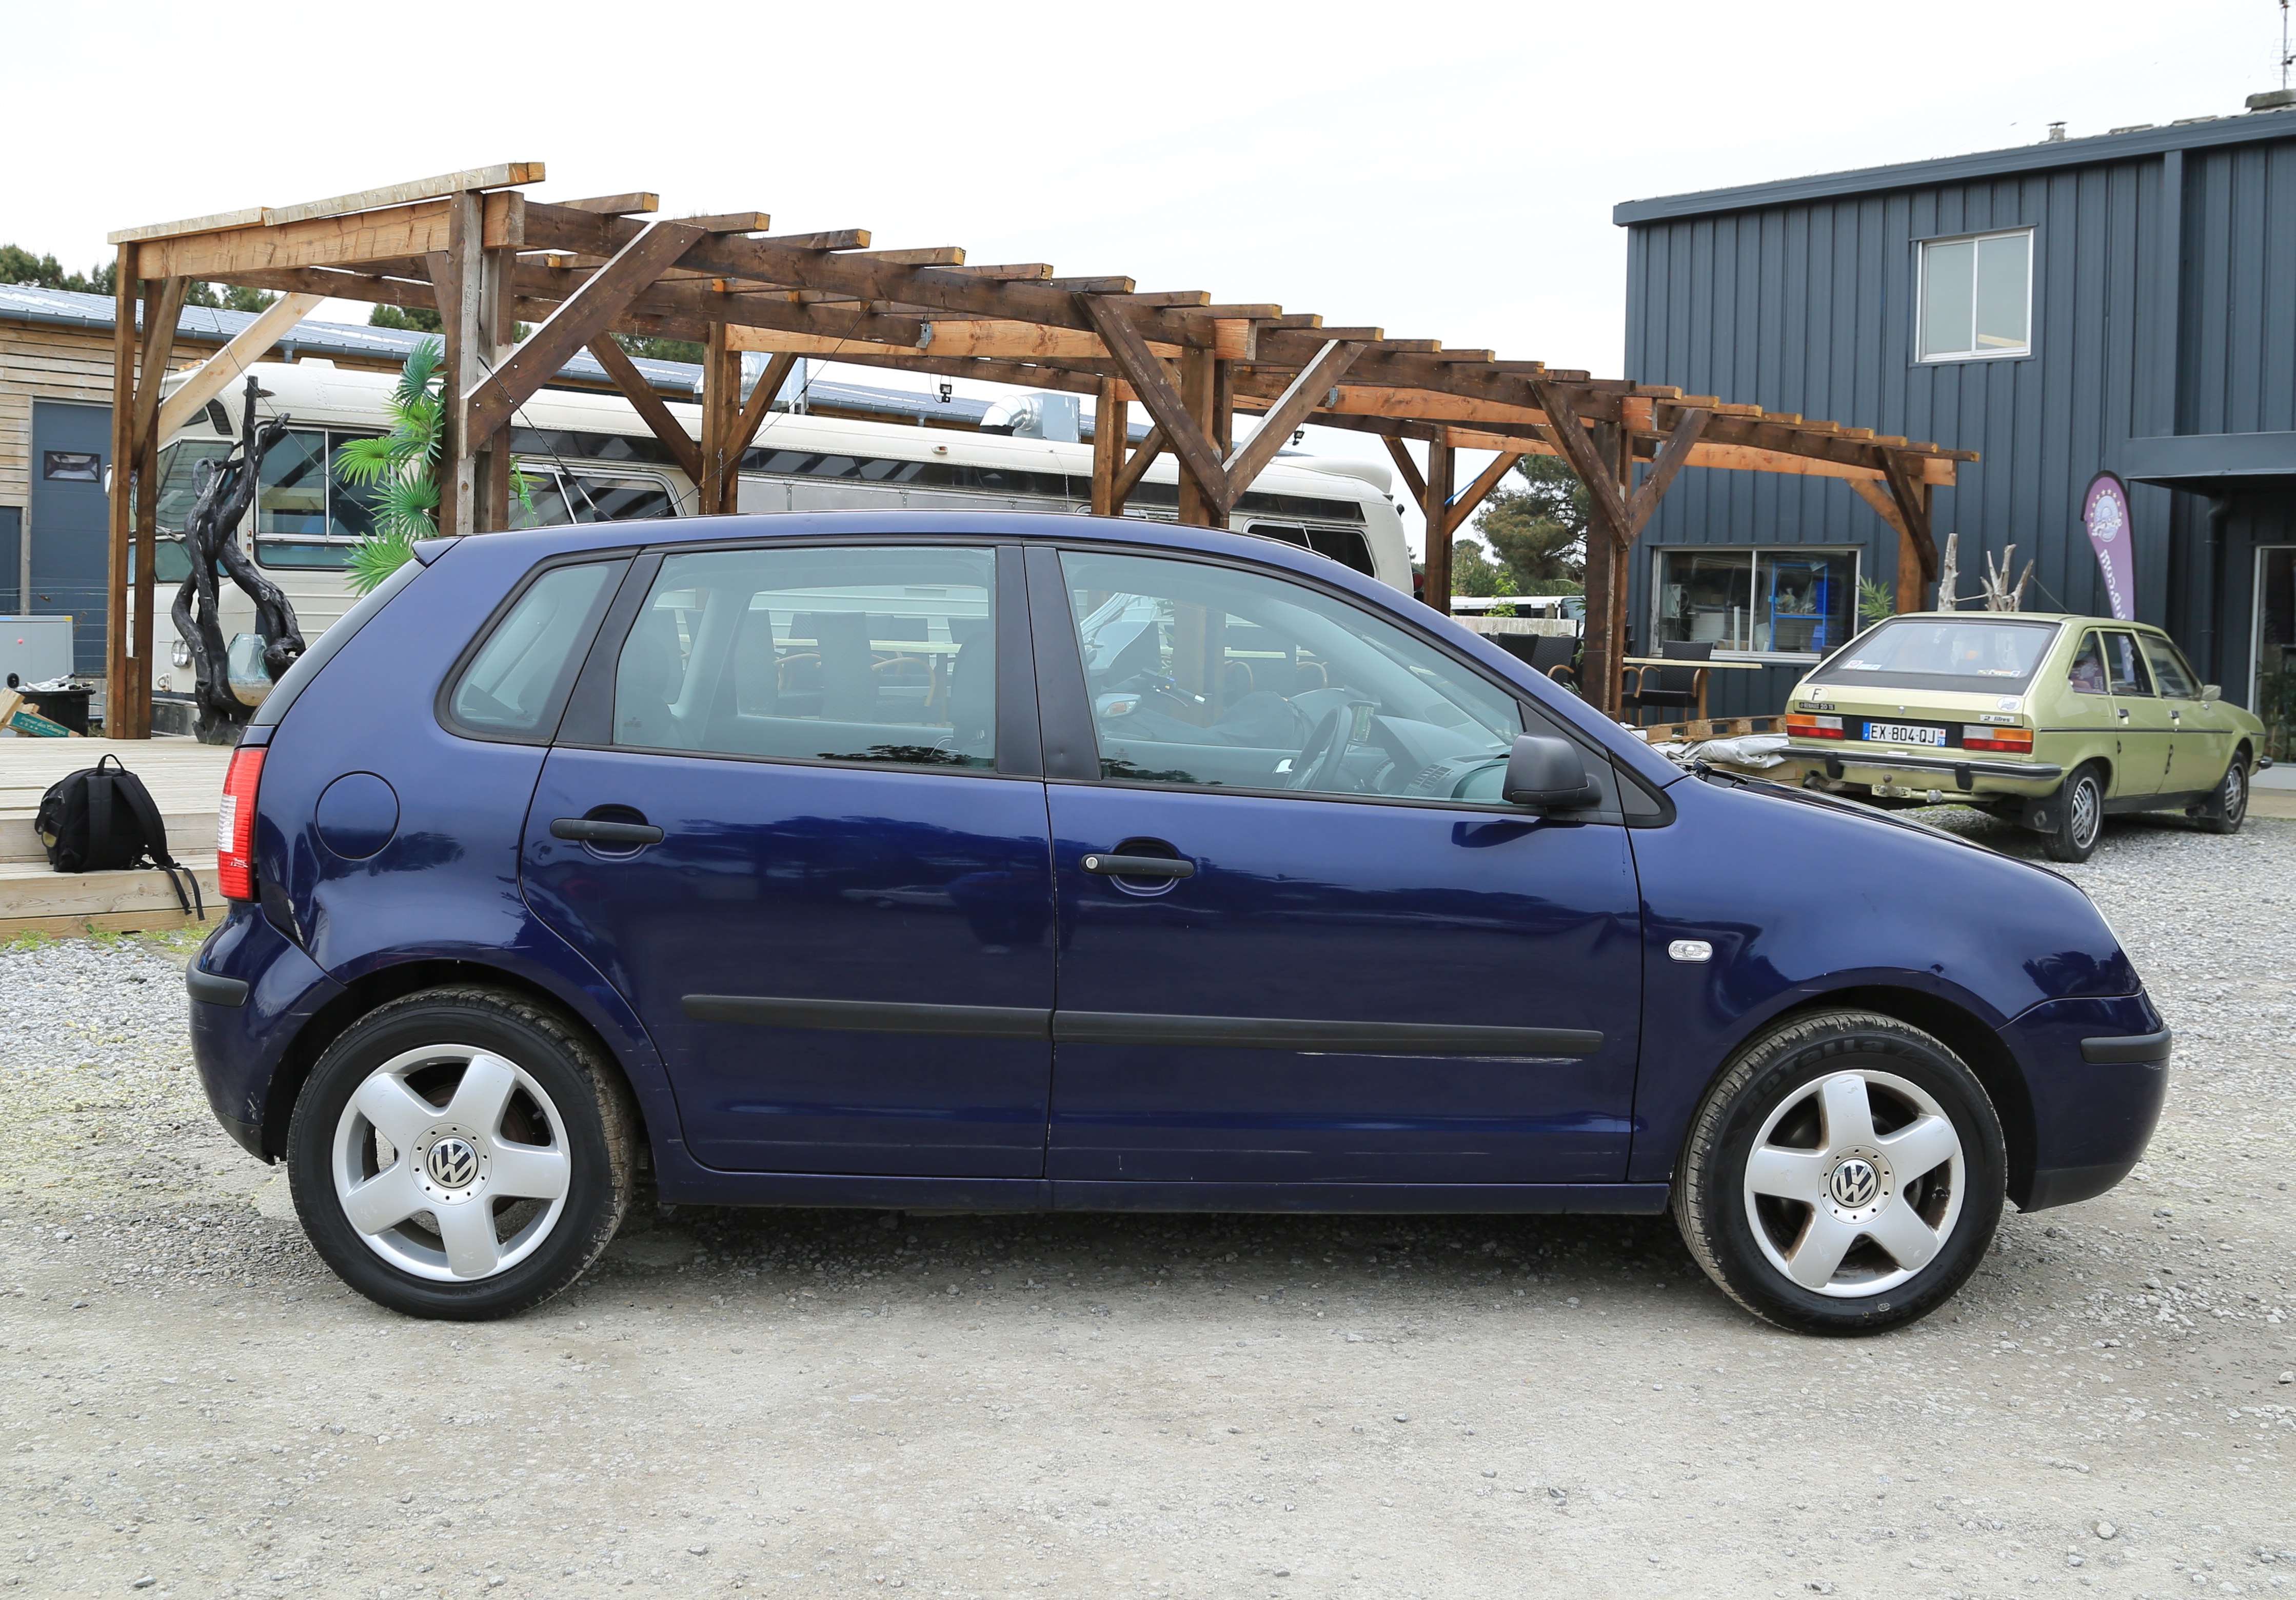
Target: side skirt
[{"x": 704, "y": 1187}]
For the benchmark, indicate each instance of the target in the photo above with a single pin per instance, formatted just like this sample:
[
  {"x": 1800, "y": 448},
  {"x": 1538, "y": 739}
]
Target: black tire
[
  {"x": 2227, "y": 808},
  {"x": 564, "y": 1099},
  {"x": 2079, "y": 809},
  {"x": 1785, "y": 1077}
]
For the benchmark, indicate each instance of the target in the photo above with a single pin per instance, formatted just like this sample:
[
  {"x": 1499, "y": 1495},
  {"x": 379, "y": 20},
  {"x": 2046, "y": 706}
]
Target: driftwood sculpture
[{"x": 224, "y": 491}]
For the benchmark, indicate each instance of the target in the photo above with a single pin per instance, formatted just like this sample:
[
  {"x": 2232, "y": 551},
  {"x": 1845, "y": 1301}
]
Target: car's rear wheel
[
  {"x": 462, "y": 1153},
  {"x": 2079, "y": 818},
  {"x": 1844, "y": 1175},
  {"x": 2227, "y": 808}
]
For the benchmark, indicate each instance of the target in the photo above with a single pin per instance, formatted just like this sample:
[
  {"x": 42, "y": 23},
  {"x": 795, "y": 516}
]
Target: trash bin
[{"x": 66, "y": 706}]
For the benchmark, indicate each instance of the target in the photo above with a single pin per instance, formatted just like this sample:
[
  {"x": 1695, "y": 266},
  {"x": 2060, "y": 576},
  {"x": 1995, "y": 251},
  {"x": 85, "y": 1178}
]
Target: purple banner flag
[{"x": 2104, "y": 512}]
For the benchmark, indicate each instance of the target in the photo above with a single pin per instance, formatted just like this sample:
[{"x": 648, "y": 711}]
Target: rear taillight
[
  {"x": 2012, "y": 741},
  {"x": 235, "y": 824},
  {"x": 1813, "y": 727}
]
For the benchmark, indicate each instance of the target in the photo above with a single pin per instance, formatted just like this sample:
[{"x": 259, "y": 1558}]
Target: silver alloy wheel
[
  {"x": 436, "y": 1163},
  {"x": 1858, "y": 1212},
  {"x": 2087, "y": 808},
  {"x": 2232, "y": 797}
]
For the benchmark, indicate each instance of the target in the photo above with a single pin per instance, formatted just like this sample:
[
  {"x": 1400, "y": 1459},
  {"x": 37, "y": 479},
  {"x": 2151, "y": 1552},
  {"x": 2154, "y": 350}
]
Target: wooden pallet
[{"x": 34, "y": 899}]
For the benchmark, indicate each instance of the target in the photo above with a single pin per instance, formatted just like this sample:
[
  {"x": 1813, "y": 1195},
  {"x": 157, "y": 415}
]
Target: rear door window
[
  {"x": 516, "y": 685},
  {"x": 2087, "y": 673},
  {"x": 2124, "y": 664},
  {"x": 866, "y": 653}
]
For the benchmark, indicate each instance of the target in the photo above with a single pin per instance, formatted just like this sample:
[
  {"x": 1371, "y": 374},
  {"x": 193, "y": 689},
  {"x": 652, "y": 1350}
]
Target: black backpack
[{"x": 101, "y": 819}]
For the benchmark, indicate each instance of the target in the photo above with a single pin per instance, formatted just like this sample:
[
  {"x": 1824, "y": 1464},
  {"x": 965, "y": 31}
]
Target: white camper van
[{"x": 589, "y": 459}]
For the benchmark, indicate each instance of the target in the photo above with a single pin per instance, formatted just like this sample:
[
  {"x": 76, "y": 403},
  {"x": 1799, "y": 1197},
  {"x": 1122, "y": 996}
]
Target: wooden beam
[
  {"x": 415, "y": 230},
  {"x": 753, "y": 418},
  {"x": 1307, "y": 392},
  {"x": 1111, "y": 426},
  {"x": 949, "y": 340},
  {"x": 1476, "y": 492},
  {"x": 221, "y": 369},
  {"x": 1609, "y": 506},
  {"x": 721, "y": 406},
  {"x": 1177, "y": 423},
  {"x": 1200, "y": 499},
  {"x": 639, "y": 202},
  {"x": 1607, "y": 541},
  {"x": 458, "y": 280},
  {"x": 1136, "y": 467},
  {"x": 160, "y": 321},
  {"x": 504, "y": 175},
  {"x": 1917, "y": 556},
  {"x": 588, "y": 314},
  {"x": 1408, "y": 468},
  {"x": 1670, "y": 460},
  {"x": 659, "y": 418}
]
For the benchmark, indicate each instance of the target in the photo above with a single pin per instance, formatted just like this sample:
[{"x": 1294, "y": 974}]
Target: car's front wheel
[
  {"x": 2227, "y": 808},
  {"x": 1844, "y": 1175},
  {"x": 462, "y": 1153},
  {"x": 2080, "y": 815}
]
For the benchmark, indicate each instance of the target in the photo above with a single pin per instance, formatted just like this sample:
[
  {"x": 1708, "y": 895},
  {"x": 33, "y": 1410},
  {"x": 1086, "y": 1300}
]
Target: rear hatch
[
  {"x": 1938, "y": 684},
  {"x": 1934, "y": 723}
]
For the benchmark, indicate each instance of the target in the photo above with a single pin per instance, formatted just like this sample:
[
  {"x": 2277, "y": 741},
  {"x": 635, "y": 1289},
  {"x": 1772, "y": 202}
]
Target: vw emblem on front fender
[
  {"x": 1853, "y": 1185},
  {"x": 453, "y": 1163}
]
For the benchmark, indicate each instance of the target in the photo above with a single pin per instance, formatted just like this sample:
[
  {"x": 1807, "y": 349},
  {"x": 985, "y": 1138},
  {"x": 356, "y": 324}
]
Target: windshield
[{"x": 1979, "y": 656}]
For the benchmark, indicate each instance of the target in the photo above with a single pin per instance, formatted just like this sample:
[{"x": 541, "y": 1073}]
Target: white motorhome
[{"x": 589, "y": 457}]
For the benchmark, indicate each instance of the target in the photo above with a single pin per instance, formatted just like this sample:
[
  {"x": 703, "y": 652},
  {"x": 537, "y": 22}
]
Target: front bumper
[
  {"x": 2096, "y": 1073},
  {"x": 1890, "y": 769},
  {"x": 251, "y": 991}
]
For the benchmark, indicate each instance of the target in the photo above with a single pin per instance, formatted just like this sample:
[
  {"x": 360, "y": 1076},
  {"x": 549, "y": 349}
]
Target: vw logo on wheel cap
[
  {"x": 453, "y": 1163},
  {"x": 1853, "y": 1185}
]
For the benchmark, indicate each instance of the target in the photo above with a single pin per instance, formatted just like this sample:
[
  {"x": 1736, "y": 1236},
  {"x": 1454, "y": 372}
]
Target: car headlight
[{"x": 182, "y": 653}]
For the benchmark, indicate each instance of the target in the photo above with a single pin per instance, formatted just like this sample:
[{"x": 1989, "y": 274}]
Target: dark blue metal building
[{"x": 2123, "y": 303}]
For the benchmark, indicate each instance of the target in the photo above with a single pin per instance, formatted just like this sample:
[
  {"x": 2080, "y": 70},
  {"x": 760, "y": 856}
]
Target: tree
[
  {"x": 1474, "y": 573},
  {"x": 413, "y": 318},
  {"x": 228, "y": 296},
  {"x": 18, "y": 265},
  {"x": 663, "y": 349},
  {"x": 1537, "y": 533}
]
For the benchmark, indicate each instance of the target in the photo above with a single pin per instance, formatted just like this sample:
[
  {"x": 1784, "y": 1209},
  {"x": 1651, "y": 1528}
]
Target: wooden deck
[{"x": 185, "y": 778}]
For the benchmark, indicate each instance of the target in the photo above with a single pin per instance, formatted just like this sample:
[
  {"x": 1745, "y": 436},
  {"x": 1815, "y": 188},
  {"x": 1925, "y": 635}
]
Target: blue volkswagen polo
[{"x": 986, "y": 861}]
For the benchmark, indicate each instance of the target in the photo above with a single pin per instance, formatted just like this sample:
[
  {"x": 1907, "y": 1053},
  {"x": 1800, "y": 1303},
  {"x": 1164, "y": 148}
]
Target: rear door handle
[
  {"x": 1138, "y": 866},
  {"x": 605, "y": 833}
]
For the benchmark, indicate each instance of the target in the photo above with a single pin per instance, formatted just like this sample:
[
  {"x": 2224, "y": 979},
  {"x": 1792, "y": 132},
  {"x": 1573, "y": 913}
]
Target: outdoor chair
[
  {"x": 1680, "y": 688},
  {"x": 1555, "y": 654}
]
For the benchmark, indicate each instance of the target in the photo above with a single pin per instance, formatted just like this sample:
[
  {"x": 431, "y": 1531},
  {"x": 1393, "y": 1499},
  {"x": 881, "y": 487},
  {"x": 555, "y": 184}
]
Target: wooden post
[
  {"x": 460, "y": 292},
  {"x": 1223, "y": 420},
  {"x": 118, "y": 688},
  {"x": 721, "y": 405},
  {"x": 1199, "y": 385},
  {"x": 1435, "y": 505},
  {"x": 163, "y": 305},
  {"x": 496, "y": 280},
  {"x": 1622, "y": 442},
  {"x": 1111, "y": 424}
]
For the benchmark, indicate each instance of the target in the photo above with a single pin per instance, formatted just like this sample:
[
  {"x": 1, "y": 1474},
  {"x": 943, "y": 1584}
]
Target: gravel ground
[{"x": 819, "y": 1402}]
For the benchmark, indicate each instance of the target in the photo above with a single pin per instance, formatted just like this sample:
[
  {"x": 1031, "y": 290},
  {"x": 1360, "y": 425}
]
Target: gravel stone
[{"x": 798, "y": 1396}]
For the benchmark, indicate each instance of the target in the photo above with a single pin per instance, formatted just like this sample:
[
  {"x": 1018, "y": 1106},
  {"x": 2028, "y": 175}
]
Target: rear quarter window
[{"x": 513, "y": 687}]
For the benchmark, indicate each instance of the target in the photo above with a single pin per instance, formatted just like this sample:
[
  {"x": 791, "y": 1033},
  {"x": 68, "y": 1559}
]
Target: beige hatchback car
[{"x": 2051, "y": 720}]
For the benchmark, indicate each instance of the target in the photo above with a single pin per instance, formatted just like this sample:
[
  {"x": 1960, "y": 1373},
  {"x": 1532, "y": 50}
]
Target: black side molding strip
[
  {"x": 2127, "y": 1048},
  {"x": 1301, "y": 1033},
  {"x": 214, "y": 991},
  {"x": 873, "y": 1017},
  {"x": 1133, "y": 1027}
]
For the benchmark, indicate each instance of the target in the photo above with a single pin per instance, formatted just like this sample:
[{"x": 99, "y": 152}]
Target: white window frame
[
  {"x": 1922, "y": 296},
  {"x": 1659, "y": 553}
]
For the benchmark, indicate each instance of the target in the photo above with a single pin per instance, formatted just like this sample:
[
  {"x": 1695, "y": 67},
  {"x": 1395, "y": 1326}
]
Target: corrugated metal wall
[{"x": 1810, "y": 307}]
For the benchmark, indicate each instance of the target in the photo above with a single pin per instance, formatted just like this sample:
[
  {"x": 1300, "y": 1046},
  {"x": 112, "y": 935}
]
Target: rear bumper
[
  {"x": 1966, "y": 774},
  {"x": 2096, "y": 1073},
  {"x": 251, "y": 991}
]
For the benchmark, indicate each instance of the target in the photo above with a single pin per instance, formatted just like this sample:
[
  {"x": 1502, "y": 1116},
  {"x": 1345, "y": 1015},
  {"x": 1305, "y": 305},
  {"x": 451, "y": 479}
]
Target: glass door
[{"x": 2272, "y": 663}]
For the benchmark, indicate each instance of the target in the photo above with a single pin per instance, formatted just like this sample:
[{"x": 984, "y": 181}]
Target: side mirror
[
  {"x": 1549, "y": 774},
  {"x": 2211, "y": 691}
]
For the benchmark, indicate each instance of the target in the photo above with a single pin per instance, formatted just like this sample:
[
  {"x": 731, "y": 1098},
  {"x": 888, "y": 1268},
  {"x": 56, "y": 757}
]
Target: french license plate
[{"x": 1903, "y": 733}]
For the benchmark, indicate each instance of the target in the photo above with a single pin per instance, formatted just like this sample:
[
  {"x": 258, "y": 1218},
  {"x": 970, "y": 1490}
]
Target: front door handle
[
  {"x": 1138, "y": 866},
  {"x": 594, "y": 832}
]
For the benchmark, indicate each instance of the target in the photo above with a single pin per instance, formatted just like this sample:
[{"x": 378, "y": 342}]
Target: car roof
[{"x": 2047, "y": 616}]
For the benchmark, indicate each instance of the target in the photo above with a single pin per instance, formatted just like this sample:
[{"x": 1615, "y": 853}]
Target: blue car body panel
[{"x": 388, "y": 845}]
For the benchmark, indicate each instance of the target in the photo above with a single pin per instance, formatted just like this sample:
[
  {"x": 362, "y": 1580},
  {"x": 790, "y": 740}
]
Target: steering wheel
[{"x": 1318, "y": 760}]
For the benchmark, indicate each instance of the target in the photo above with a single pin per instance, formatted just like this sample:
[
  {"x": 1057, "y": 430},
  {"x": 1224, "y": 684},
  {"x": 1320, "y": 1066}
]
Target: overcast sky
[{"x": 1441, "y": 170}]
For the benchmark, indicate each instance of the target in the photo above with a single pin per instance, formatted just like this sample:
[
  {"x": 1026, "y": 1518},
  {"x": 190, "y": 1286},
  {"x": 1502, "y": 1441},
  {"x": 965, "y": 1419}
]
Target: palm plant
[{"x": 405, "y": 464}]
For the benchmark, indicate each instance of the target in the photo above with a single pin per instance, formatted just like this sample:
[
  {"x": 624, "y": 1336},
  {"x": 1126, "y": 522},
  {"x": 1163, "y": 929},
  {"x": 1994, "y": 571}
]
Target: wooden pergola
[{"x": 473, "y": 247}]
